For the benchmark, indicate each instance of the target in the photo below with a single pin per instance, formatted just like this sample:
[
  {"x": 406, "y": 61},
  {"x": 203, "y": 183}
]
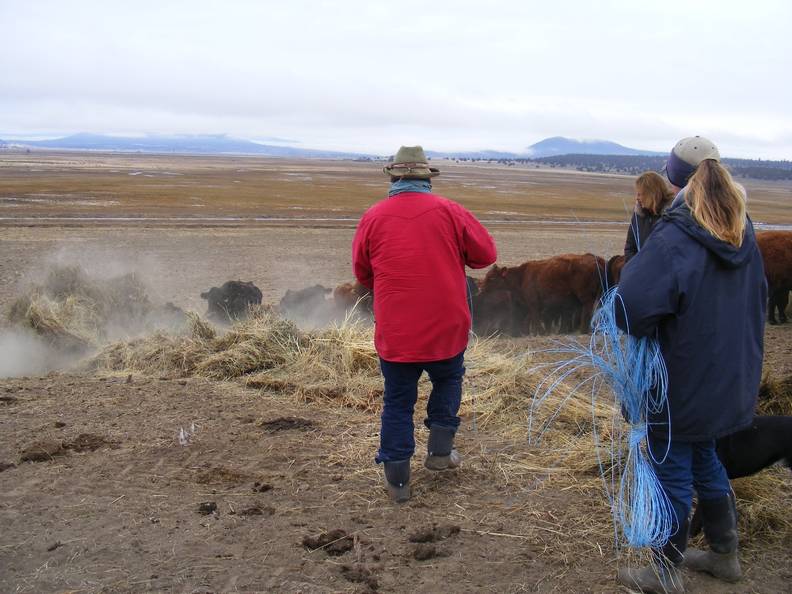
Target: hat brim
[{"x": 412, "y": 172}]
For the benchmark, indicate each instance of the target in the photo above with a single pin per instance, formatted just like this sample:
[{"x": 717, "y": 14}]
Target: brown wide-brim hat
[{"x": 410, "y": 162}]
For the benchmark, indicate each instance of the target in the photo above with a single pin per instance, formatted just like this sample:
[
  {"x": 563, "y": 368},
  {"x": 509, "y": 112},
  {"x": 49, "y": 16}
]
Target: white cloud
[{"x": 357, "y": 75}]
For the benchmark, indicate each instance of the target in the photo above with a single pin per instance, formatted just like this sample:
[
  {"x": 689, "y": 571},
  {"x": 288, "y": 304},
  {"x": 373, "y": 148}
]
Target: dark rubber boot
[
  {"x": 666, "y": 579},
  {"x": 719, "y": 517},
  {"x": 397, "y": 480},
  {"x": 665, "y": 576},
  {"x": 441, "y": 454}
]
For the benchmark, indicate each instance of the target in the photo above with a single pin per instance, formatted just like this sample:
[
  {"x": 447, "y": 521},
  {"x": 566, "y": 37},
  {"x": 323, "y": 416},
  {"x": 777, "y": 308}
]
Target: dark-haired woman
[
  {"x": 698, "y": 286},
  {"x": 652, "y": 195}
]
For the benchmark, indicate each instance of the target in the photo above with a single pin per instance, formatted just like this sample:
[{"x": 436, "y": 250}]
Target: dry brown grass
[{"x": 82, "y": 183}]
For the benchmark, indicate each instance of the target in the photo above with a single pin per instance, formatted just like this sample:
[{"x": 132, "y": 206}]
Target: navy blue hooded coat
[{"x": 705, "y": 300}]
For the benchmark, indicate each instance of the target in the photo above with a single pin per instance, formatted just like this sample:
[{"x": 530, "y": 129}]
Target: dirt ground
[
  {"x": 229, "y": 511},
  {"x": 112, "y": 495}
]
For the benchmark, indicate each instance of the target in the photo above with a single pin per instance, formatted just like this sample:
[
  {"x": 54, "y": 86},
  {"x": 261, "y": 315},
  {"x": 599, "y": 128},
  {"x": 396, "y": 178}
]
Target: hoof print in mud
[
  {"x": 434, "y": 533},
  {"x": 360, "y": 574},
  {"x": 425, "y": 551},
  {"x": 256, "y": 510},
  {"x": 335, "y": 542},
  {"x": 42, "y": 451},
  {"x": 88, "y": 442},
  {"x": 287, "y": 424}
]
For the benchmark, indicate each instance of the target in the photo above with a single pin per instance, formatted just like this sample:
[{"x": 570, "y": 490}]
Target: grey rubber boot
[
  {"x": 719, "y": 517},
  {"x": 441, "y": 454},
  {"x": 397, "y": 480},
  {"x": 665, "y": 576},
  {"x": 665, "y": 579}
]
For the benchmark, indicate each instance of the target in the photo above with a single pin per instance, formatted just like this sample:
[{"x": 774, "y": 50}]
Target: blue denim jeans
[
  {"x": 688, "y": 466},
  {"x": 397, "y": 439}
]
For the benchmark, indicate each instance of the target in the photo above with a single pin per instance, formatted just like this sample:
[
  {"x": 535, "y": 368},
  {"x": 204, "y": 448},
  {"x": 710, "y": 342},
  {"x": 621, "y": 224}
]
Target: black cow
[
  {"x": 767, "y": 441},
  {"x": 231, "y": 301}
]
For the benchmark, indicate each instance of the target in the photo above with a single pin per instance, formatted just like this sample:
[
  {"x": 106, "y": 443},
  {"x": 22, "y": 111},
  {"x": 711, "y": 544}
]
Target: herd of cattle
[{"x": 554, "y": 295}]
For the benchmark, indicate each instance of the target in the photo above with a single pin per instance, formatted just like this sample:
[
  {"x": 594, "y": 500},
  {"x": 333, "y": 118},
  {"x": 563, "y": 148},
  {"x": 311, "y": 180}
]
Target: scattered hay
[
  {"x": 76, "y": 313},
  {"x": 264, "y": 341},
  {"x": 763, "y": 503},
  {"x": 775, "y": 396}
]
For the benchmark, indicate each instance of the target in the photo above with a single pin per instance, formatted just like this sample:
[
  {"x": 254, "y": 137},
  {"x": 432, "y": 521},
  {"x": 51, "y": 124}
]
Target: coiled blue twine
[{"x": 634, "y": 372}]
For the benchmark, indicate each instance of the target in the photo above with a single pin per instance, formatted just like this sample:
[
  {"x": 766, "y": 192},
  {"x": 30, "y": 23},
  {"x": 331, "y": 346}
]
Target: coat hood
[{"x": 731, "y": 256}]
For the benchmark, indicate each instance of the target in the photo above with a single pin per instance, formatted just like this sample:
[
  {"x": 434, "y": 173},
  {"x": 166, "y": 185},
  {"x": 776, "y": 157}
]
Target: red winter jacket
[{"x": 411, "y": 249}]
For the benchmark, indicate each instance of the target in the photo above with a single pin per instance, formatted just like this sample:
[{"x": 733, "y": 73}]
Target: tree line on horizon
[{"x": 637, "y": 164}]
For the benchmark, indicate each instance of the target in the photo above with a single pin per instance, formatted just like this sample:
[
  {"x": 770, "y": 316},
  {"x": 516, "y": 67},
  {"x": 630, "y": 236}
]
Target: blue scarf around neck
[{"x": 422, "y": 186}]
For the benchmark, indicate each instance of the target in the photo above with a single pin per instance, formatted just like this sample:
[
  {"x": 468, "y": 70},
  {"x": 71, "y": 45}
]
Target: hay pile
[
  {"x": 775, "y": 395},
  {"x": 338, "y": 366},
  {"x": 75, "y": 312}
]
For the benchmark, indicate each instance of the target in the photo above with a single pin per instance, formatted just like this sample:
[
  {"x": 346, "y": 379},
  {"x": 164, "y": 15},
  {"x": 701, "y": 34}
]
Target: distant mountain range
[
  {"x": 558, "y": 145},
  {"x": 584, "y": 155},
  {"x": 222, "y": 144},
  {"x": 551, "y": 147},
  {"x": 199, "y": 144}
]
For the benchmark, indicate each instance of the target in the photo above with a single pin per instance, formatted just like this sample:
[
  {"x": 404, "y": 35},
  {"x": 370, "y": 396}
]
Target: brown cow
[
  {"x": 557, "y": 294},
  {"x": 614, "y": 269},
  {"x": 776, "y": 248},
  {"x": 354, "y": 295}
]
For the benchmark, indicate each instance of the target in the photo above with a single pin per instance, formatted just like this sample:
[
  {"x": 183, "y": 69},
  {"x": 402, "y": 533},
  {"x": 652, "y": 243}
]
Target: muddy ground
[
  {"x": 230, "y": 511},
  {"x": 261, "y": 493}
]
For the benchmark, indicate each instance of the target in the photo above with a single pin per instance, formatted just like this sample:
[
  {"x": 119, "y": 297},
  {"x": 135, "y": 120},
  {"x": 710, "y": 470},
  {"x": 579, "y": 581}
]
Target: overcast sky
[{"x": 371, "y": 75}]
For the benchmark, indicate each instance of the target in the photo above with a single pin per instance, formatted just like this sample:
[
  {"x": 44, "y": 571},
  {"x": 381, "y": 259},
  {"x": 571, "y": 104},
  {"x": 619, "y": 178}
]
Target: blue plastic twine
[{"x": 635, "y": 372}]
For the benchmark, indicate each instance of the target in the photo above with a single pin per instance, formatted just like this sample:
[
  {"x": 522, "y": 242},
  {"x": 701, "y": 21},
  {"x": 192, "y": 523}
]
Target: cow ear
[{"x": 204, "y": 295}]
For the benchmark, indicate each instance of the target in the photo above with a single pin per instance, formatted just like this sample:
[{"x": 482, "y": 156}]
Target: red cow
[
  {"x": 614, "y": 269},
  {"x": 559, "y": 293},
  {"x": 354, "y": 295},
  {"x": 776, "y": 248}
]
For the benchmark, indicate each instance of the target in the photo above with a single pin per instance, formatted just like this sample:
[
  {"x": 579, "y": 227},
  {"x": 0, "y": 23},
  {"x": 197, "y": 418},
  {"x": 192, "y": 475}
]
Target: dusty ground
[{"x": 127, "y": 516}]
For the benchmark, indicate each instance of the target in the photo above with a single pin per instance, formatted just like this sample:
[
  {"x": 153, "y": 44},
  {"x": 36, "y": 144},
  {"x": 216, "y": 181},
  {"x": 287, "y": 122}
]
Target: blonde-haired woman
[
  {"x": 698, "y": 286},
  {"x": 652, "y": 195}
]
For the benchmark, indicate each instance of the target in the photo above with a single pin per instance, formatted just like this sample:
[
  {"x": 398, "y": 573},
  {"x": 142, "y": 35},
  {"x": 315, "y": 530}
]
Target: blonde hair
[
  {"x": 716, "y": 202},
  {"x": 654, "y": 189}
]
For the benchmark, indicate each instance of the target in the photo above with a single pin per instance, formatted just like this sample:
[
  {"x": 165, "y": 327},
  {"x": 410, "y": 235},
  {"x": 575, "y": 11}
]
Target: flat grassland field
[{"x": 126, "y": 518}]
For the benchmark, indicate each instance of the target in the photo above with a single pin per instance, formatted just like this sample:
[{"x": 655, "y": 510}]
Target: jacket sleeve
[
  {"x": 361, "y": 262},
  {"x": 478, "y": 247},
  {"x": 648, "y": 290},
  {"x": 630, "y": 245}
]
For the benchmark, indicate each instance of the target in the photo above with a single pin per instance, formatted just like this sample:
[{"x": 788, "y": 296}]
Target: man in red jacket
[{"x": 412, "y": 249}]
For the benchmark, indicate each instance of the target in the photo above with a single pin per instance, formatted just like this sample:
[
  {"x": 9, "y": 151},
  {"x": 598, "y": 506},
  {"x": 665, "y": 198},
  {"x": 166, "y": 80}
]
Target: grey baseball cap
[{"x": 686, "y": 156}]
